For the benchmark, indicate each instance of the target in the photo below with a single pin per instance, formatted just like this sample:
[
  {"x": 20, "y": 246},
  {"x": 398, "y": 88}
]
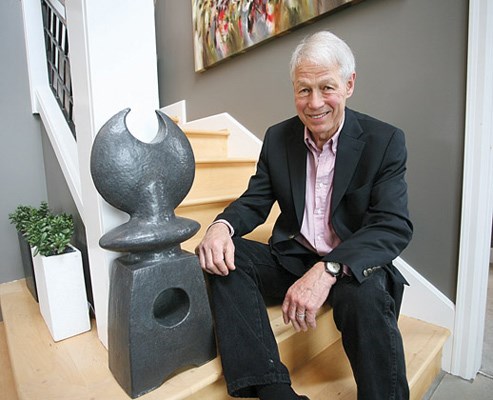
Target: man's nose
[{"x": 316, "y": 99}]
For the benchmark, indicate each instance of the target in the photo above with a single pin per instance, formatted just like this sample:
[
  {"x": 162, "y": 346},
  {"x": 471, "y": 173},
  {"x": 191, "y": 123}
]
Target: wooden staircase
[{"x": 77, "y": 368}]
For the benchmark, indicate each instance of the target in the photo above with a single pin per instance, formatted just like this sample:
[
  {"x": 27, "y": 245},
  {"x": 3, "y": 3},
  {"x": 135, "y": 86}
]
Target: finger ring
[{"x": 300, "y": 315}]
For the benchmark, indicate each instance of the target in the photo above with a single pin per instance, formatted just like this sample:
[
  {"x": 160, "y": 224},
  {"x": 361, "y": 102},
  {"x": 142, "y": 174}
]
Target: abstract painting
[{"x": 224, "y": 28}]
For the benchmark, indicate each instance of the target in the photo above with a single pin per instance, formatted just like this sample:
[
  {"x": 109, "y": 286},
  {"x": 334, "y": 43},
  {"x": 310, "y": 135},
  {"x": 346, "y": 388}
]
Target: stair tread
[
  {"x": 205, "y": 201},
  {"x": 224, "y": 160},
  {"x": 205, "y": 132},
  {"x": 78, "y": 366}
]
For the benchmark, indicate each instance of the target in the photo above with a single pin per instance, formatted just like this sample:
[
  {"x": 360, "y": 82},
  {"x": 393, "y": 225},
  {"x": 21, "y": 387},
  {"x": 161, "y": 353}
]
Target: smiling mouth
[{"x": 318, "y": 116}]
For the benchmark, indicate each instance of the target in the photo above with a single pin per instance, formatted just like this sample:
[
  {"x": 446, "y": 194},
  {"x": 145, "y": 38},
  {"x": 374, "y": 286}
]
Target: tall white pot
[{"x": 62, "y": 294}]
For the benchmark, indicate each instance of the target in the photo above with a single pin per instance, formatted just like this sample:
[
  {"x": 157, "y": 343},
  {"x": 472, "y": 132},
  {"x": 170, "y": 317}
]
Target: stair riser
[
  {"x": 209, "y": 147},
  {"x": 220, "y": 179},
  {"x": 297, "y": 350},
  {"x": 204, "y": 214}
]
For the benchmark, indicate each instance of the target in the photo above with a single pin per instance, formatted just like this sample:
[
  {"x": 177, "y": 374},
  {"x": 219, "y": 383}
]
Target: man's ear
[{"x": 350, "y": 84}]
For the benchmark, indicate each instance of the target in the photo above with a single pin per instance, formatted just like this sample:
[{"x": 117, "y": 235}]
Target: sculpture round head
[{"x": 142, "y": 178}]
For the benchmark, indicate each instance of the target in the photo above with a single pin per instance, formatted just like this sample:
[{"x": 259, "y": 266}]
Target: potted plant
[
  {"x": 21, "y": 218},
  {"x": 58, "y": 273},
  {"x": 50, "y": 234}
]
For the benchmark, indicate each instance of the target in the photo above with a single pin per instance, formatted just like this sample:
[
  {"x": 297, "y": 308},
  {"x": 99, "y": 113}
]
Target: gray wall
[
  {"x": 22, "y": 178},
  {"x": 411, "y": 65}
]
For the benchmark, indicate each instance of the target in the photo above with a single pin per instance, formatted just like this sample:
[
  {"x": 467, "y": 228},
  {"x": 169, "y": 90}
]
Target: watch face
[{"x": 333, "y": 268}]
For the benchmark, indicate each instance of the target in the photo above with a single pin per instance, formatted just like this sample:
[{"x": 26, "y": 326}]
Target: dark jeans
[{"x": 364, "y": 313}]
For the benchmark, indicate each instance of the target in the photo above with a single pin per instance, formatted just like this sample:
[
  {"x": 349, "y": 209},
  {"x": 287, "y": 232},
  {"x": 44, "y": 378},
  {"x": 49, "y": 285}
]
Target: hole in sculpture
[{"x": 171, "y": 307}]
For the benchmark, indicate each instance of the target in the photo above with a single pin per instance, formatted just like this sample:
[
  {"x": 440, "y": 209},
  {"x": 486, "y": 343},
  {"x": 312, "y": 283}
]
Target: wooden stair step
[
  {"x": 260, "y": 234},
  {"x": 205, "y": 211},
  {"x": 208, "y": 144},
  {"x": 423, "y": 344},
  {"x": 77, "y": 368},
  {"x": 221, "y": 177}
]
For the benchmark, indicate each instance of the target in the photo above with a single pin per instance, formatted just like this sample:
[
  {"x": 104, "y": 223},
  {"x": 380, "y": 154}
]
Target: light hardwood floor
[{"x": 7, "y": 384}]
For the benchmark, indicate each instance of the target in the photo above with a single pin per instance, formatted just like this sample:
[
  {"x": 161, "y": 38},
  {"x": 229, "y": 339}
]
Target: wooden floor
[
  {"x": 76, "y": 368},
  {"x": 7, "y": 384}
]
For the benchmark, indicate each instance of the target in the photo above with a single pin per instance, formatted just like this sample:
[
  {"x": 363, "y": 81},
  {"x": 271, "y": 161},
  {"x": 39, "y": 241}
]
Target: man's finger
[
  {"x": 311, "y": 319},
  {"x": 301, "y": 320},
  {"x": 229, "y": 257}
]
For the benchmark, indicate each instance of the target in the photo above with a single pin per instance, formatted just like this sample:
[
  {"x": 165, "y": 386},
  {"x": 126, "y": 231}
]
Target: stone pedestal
[{"x": 159, "y": 319}]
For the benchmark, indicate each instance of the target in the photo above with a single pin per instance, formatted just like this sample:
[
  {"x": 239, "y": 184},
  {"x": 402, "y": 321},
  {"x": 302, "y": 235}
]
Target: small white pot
[{"x": 62, "y": 294}]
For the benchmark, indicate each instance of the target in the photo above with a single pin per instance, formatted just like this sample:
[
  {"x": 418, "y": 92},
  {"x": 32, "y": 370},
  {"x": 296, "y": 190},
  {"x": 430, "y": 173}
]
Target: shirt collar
[{"x": 332, "y": 142}]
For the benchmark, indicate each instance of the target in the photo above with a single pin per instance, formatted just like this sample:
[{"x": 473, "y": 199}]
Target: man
[{"x": 338, "y": 177}]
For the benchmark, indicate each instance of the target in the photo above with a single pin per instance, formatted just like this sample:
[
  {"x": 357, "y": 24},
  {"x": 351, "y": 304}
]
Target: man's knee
[{"x": 359, "y": 304}]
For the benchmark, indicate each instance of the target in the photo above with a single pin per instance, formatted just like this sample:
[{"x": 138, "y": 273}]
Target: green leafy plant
[
  {"x": 47, "y": 233},
  {"x": 23, "y": 216}
]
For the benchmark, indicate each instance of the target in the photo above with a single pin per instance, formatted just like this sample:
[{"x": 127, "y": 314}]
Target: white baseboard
[{"x": 424, "y": 301}]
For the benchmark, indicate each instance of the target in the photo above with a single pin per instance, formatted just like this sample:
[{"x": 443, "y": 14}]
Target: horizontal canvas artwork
[{"x": 223, "y": 28}]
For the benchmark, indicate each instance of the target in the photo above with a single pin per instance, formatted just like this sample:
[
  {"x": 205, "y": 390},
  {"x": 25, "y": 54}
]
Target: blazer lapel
[
  {"x": 349, "y": 151},
  {"x": 296, "y": 150}
]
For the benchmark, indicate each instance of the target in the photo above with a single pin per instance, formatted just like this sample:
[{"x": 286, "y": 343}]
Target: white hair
[{"x": 324, "y": 49}]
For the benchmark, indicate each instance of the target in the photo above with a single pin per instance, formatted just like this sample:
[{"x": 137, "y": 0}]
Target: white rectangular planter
[{"x": 62, "y": 294}]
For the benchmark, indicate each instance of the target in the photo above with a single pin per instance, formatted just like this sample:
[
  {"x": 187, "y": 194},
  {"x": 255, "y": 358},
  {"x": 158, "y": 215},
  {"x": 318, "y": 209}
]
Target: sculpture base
[{"x": 159, "y": 319}]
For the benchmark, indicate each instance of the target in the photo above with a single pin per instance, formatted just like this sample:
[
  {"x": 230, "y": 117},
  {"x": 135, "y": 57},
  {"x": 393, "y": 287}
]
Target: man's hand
[
  {"x": 216, "y": 250},
  {"x": 305, "y": 297}
]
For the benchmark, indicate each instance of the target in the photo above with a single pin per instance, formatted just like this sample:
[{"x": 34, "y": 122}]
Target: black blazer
[{"x": 369, "y": 199}]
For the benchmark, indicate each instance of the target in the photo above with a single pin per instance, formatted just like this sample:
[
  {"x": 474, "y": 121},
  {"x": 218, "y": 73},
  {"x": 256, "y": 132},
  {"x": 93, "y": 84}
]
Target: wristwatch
[{"x": 333, "y": 268}]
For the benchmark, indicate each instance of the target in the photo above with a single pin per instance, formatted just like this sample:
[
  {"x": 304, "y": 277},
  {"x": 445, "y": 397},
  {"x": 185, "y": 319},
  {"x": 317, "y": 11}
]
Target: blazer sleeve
[{"x": 373, "y": 221}]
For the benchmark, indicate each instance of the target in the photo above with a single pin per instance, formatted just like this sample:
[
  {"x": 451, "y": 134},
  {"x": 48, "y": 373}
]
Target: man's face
[{"x": 320, "y": 97}]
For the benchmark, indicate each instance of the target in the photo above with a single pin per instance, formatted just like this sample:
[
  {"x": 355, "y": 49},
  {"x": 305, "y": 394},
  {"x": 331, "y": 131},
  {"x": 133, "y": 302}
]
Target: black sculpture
[{"x": 159, "y": 317}]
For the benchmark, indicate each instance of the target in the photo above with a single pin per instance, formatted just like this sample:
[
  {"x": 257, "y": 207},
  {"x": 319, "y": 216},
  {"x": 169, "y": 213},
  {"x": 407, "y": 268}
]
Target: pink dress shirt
[{"x": 316, "y": 231}]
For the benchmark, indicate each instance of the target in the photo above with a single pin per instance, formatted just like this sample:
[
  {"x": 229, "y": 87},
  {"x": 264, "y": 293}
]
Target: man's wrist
[
  {"x": 333, "y": 268},
  {"x": 224, "y": 222}
]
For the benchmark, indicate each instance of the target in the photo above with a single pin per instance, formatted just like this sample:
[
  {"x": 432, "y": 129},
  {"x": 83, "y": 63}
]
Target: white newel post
[
  {"x": 114, "y": 66},
  {"x": 477, "y": 199}
]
